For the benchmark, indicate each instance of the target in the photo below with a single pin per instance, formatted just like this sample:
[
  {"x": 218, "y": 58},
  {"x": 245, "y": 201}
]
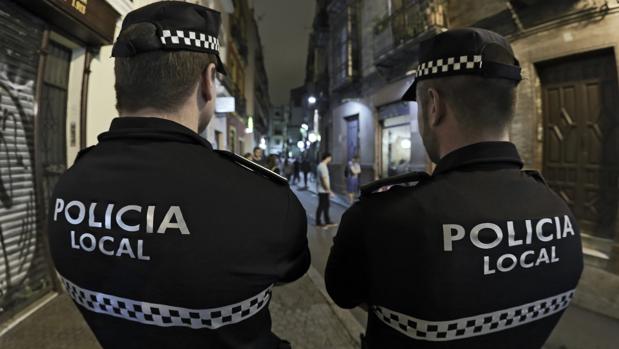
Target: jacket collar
[
  {"x": 131, "y": 127},
  {"x": 497, "y": 155}
]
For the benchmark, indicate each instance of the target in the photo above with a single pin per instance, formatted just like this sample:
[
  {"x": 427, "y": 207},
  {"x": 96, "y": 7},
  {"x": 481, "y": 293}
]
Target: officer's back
[
  {"x": 478, "y": 255},
  {"x": 161, "y": 241}
]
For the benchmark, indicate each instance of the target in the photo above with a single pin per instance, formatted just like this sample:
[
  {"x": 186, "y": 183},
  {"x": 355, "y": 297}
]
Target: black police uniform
[
  {"x": 478, "y": 255},
  {"x": 163, "y": 242}
]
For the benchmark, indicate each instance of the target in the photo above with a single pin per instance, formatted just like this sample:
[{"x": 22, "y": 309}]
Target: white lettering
[
  {"x": 503, "y": 268},
  {"x": 553, "y": 254},
  {"x": 543, "y": 257},
  {"x": 124, "y": 247},
  {"x": 150, "y": 217},
  {"x": 81, "y": 214},
  {"x": 119, "y": 218},
  {"x": 173, "y": 212},
  {"x": 567, "y": 226},
  {"x": 511, "y": 235},
  {"x": 58, "y": 208},
  {"x": 91, "y": 238},
  {"x": 523, "y": 259},
  {"x": 487, "y": 269},
  {"x": 73, "y": 243},
  {"x": 475, "y": 235},
  {"x": 557, "y": 228},
  {"x": 539, "y": 229},
  {"x": 448, "y": 237},
  {"x": 91, "y": 216},
  {"x": 141, "y": 251},
  {"x": 102, "y": 247},
  {"x": 108, "y": 216},
  {"x": 529, "y": 232}
]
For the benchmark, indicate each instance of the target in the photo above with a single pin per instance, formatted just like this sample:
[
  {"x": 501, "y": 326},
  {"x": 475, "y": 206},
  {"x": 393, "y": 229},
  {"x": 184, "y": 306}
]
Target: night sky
[{"x": 284, "y": 27}]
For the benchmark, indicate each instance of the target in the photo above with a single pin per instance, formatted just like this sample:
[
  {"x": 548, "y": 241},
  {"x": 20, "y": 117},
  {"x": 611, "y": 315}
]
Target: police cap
[
  {"x": 178, "y": 26},
  {"x": 465, "y": 51}
]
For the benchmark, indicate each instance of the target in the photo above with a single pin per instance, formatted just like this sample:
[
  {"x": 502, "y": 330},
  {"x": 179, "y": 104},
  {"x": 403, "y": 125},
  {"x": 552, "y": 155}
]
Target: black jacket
[
  {"x": 457, "y": 261},
  {"x": 183, "y": 258}
]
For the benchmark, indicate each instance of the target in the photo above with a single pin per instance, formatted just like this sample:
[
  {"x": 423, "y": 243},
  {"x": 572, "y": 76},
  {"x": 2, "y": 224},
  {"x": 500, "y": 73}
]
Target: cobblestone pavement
[{"x": 300, "y": 314}]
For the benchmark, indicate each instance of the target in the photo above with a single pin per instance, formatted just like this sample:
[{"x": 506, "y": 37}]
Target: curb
[{"x": 350, "y": 323}]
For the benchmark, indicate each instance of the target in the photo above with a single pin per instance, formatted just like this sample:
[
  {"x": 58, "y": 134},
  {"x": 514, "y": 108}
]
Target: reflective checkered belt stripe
[
  {"x": 166, "y": 315},
  {"x": 472, "y": 326}
]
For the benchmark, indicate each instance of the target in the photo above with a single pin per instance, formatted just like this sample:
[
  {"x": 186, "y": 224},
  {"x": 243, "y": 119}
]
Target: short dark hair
[
  {"x": 161, "y": 80},
  {"x": 257, "y": 148},
  {"x": 325, "y": 155},
  {"x": 479, "y": 103}
]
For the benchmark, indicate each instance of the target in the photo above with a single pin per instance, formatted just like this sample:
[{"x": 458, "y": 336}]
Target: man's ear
[
  {"x": 436, "y": 107},
  {"x": 207, "y": 82}
]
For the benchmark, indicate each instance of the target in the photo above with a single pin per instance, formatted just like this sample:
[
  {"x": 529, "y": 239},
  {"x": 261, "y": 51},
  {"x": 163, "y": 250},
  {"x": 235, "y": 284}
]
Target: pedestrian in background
[
  {"x": 288, "y": 169},
  {"x": 323, "y": 187},
  {"x": 247, "y": 156},
  {"x": 272, "y": 163},
  {"x": 305, "y": 168},
  {"x": 296, "y": 170},
  {"x": 352, "y": 173},
  {"x": 258, "y": 156}
]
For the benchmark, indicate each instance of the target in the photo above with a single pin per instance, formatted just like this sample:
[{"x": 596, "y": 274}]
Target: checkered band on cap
[
  {"x": 166, "y": 315},
  {"x": 190, "y": 39},
  {"x": 472, "y": 326},
  {"x": 447, "y": 65}
]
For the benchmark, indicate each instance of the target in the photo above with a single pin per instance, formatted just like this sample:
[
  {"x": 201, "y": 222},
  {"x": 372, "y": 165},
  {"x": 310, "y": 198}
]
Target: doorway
[{"x": 581, "y": 137}]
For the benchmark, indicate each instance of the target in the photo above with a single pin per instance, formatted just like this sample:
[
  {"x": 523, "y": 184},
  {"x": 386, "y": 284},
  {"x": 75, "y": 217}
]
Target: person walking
[
  {"x": 147, "y": 260},
  {"x": 305, "y": 168},
  {"x": 352, "y": 174},
  {"x": 480, "y": 254},
  {"x": 323, "y": 187},
  {"x": 296, "y": 170}
]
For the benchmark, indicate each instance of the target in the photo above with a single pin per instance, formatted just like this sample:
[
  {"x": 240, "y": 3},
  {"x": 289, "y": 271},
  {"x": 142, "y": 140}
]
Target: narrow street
[{"x": 320, "y": 240}]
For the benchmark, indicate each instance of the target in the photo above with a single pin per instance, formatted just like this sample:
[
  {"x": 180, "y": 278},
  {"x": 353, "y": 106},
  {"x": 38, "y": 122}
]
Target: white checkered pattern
[
  {"x": 189, "y": 38},
  {"x": 166, "y": 315},
  {"x": 444, "y": 65},
  {"x": 477, "y": 325}
]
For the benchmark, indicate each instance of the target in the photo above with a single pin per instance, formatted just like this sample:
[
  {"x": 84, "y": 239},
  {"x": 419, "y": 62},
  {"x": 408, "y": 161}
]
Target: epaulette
[
  {"x": 83, "y": 152},
  {"x": 399, "y": 179},
  {"x": 536, "y": 175},
  {"x": 252, "y": 166}
]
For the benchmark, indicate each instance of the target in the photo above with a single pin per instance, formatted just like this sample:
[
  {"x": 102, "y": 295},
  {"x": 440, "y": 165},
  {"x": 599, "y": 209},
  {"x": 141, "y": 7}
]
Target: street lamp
[
  {"x": 312, "y": 137},
  {"x": 304, "y": 127},
  {"x": 311, "y": 100},
  {"x": 301, "y": 145}
]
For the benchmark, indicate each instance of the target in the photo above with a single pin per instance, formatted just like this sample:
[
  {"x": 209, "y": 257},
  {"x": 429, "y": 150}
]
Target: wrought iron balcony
[{"x": 396, "y": 36}]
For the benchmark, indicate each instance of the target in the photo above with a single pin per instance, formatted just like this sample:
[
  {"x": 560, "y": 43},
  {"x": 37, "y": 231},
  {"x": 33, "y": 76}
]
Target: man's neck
[
  {"x": 456, "y": 143},
  {"x": 190, "y": 123}
]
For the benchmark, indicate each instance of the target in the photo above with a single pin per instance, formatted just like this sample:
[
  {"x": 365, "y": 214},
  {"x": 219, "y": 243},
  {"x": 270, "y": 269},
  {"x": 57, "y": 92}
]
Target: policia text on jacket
[
  {"x": 487, "y": 236},
  {"x": 129, "y": 218}
]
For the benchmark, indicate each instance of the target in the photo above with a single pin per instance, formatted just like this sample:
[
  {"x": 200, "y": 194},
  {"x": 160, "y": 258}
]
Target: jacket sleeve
[
  {"x": 296, "y": 255},
  {"x": 345, "y": 275}
]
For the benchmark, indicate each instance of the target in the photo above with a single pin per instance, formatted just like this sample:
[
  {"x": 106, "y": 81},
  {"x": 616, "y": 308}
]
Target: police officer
[
  {"x": 159, "y": 239},
  {"x": 478, "y": 255}
]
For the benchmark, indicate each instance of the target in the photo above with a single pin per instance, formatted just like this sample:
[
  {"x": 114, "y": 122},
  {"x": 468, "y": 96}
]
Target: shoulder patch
[
  {"x": 83, "y": 152},
  {"x": 536, "y": 175},
  {"x": 252, "y": 166},
  {"x": 400, "y": 179}
]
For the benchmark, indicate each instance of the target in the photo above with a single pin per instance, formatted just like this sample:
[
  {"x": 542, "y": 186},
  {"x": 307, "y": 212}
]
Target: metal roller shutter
[{"x": 24, "y": 270}]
